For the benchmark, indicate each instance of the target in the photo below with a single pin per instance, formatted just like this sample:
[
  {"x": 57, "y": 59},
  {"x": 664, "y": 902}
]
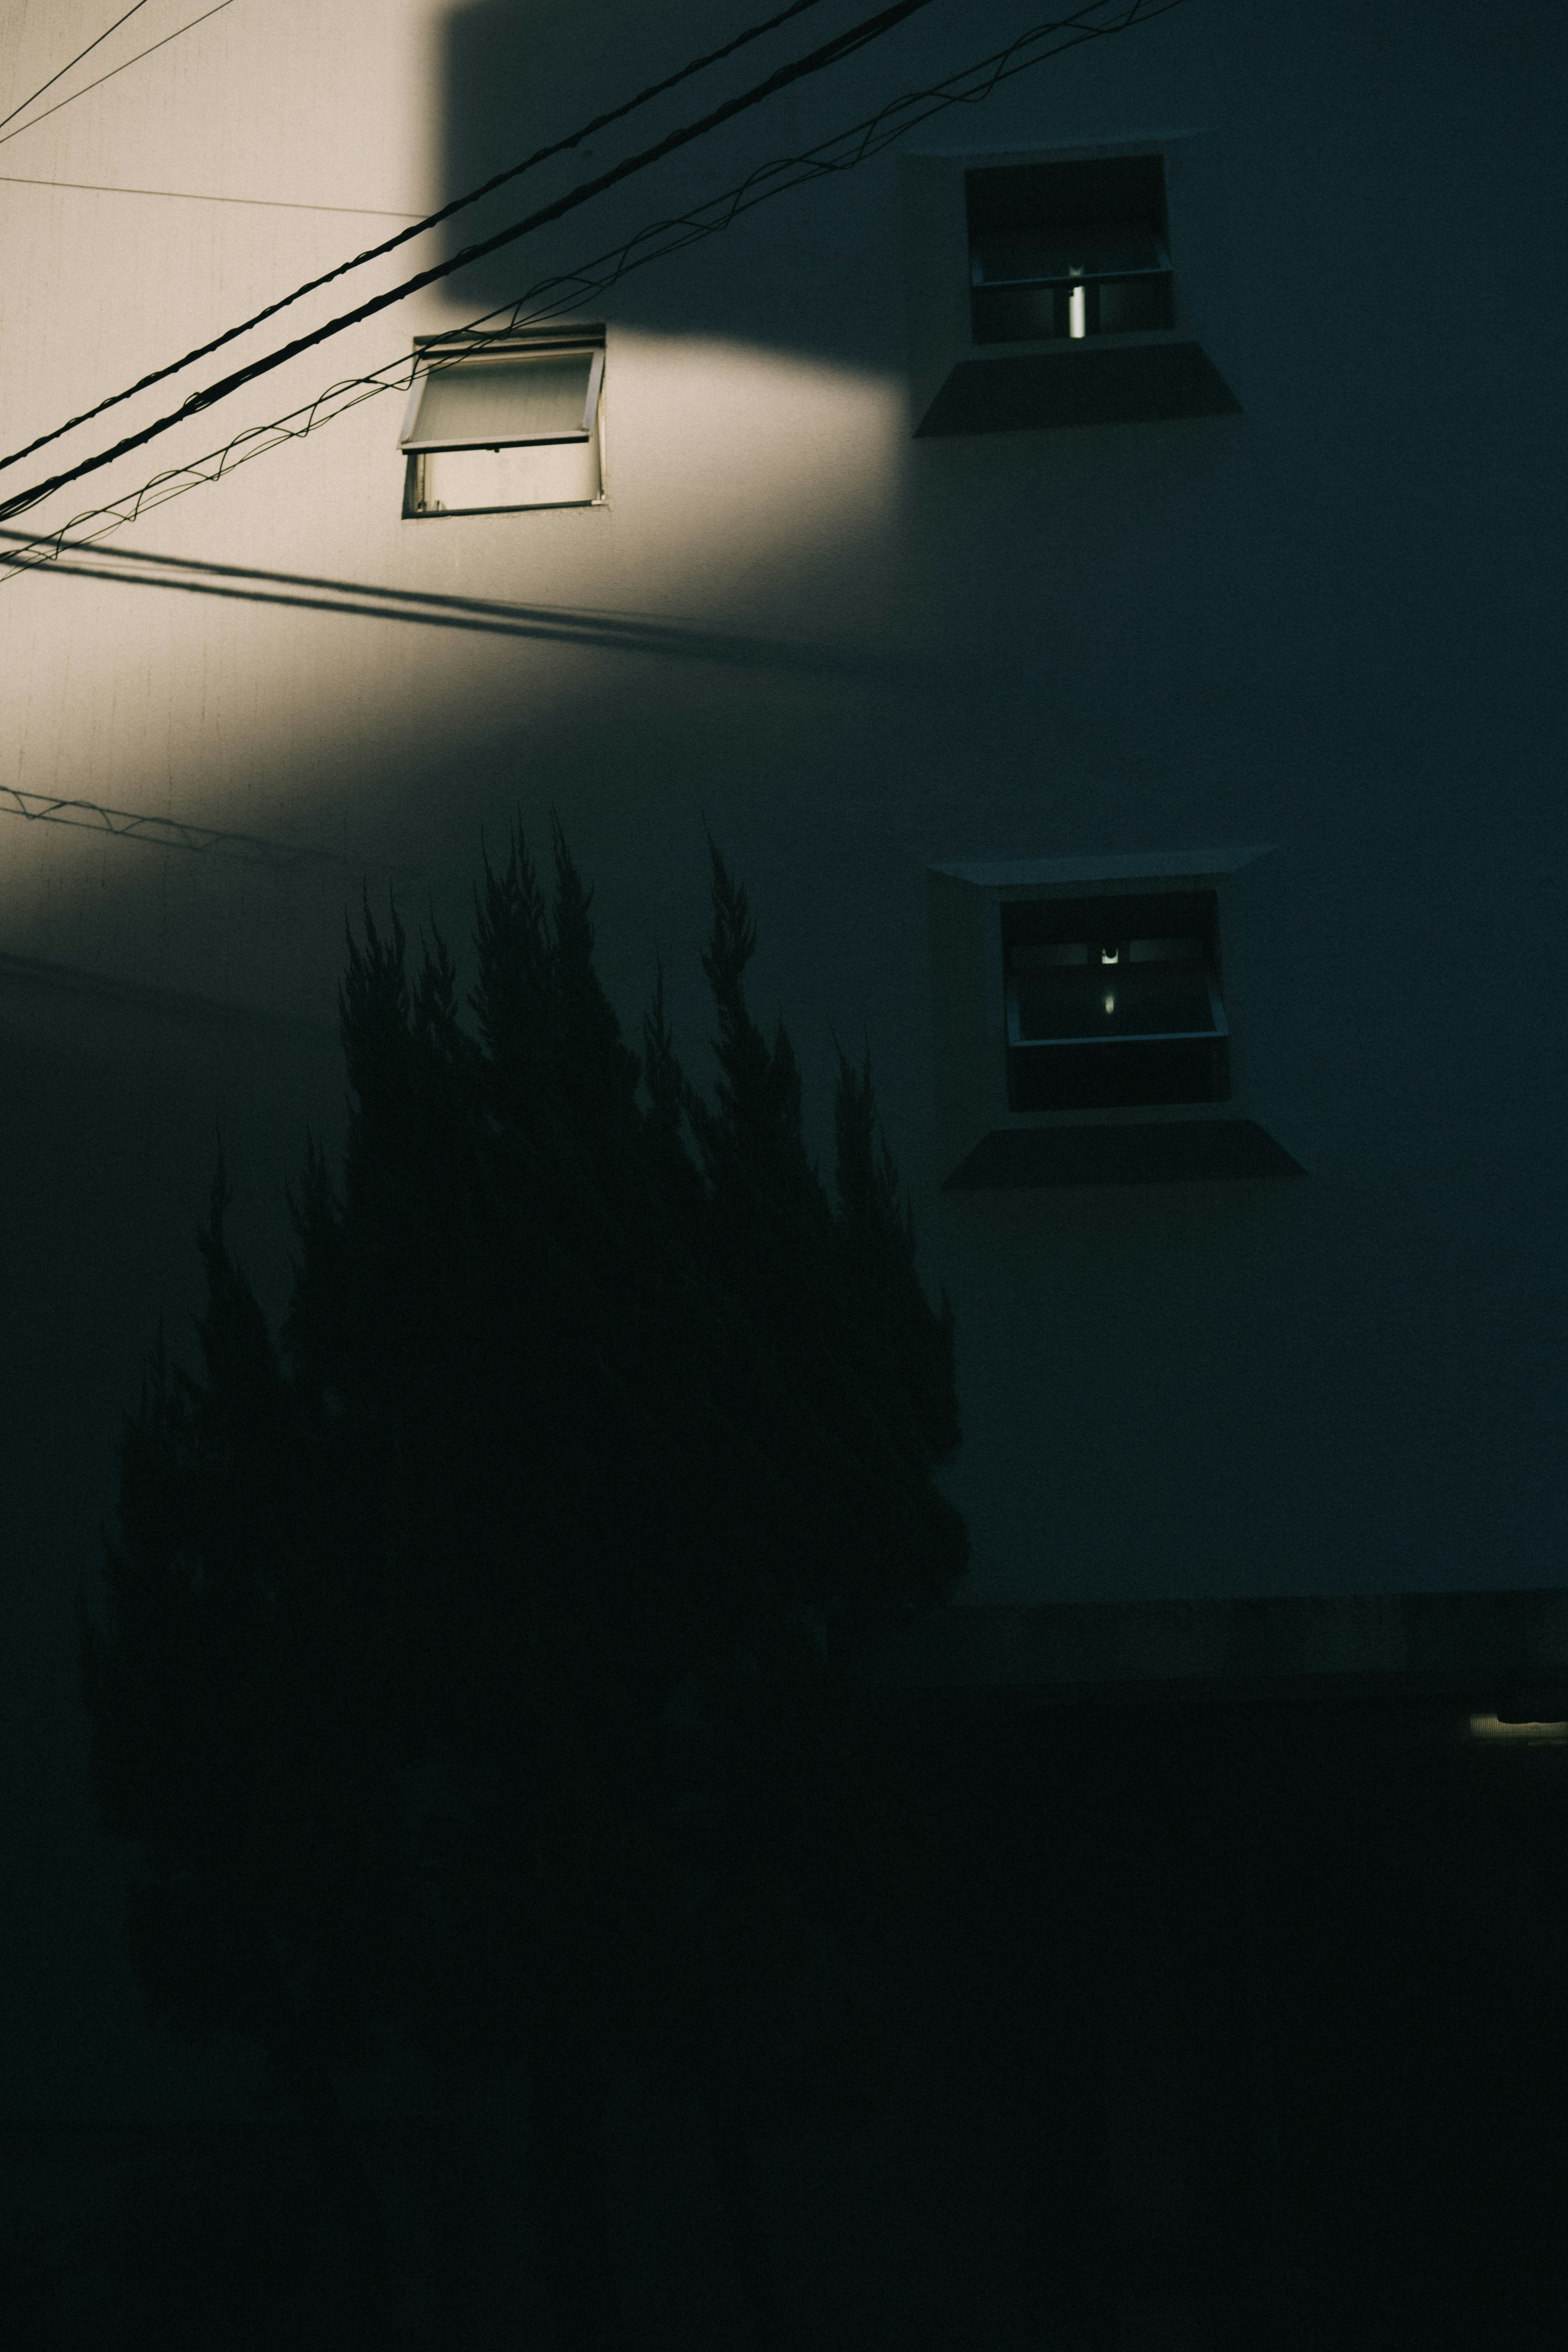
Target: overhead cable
[
  {"x": 178, "y": 33},
  {"x": 842, "y": 45},
  {"x": 842, "y": 152},
  {"x": 174, "y": 196},
  {"x": 431, "y": 220},
  {"x": 54, "y": 78}
]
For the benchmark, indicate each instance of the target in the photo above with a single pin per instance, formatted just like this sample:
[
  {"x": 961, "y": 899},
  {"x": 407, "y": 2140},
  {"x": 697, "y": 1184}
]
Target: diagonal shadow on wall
[{"x": 603, "y": 632}]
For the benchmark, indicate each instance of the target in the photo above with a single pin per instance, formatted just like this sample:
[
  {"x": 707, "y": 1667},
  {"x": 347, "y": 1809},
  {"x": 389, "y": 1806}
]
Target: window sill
[
  {"x": 1159, "y": 1151},
  {"x": 1099, "y": 384},
  {"x": 464, "y": 514}
]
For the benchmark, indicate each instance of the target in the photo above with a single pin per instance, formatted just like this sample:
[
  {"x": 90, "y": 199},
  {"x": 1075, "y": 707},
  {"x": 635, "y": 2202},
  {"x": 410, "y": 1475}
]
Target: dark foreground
[{"x": 1226, "y": 2025}]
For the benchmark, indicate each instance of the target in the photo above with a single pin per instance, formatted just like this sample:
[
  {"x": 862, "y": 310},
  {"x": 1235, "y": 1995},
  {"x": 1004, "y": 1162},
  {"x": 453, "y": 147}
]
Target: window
[
  {"x": 1114, "y": 1019},
  {"x": 1068, "y": 289},
  {"x": 503, "y": 425},
  {"x": 1113, "y": 1002},
  {"x": 1068, "y": 249}
]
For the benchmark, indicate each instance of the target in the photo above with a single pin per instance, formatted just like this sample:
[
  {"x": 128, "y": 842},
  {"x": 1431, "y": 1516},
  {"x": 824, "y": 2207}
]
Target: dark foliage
[{"x": 480, "y": 1669}]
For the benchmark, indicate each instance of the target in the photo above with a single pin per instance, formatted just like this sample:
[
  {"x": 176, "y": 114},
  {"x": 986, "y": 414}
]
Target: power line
[
  {"x": 842, "y": 45},
  {"x": 847, "y": 149},
  {"x": 177, "y": 196},
  {"x": 136, "y": 60},
  {"x": 431, "y": 220},
  {"x": 54, "y": 78},
  {"x": 970, "y": 86}
]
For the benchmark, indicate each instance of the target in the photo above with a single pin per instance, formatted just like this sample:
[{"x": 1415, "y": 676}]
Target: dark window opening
[
  {"x": 1115, "y": 1002},
  {"x": 1069, "y": 250}
]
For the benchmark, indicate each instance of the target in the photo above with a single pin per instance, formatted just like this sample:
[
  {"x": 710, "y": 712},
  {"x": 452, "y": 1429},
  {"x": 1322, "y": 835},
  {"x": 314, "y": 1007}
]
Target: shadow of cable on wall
[{"x": 548, "y": 623}]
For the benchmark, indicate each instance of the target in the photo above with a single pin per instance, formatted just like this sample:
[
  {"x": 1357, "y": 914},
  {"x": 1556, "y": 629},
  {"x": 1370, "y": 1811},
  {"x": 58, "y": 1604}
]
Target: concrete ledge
[
  {"x": 1021, "y": 392},
  {"x": 1418, "y": 1640}
]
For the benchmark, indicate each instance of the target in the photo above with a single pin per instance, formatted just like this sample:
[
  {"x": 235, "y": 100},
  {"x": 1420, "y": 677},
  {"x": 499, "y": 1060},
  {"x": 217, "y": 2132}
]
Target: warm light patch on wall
[
  {"x": 1536, "y": 1735},
  {"x": 295, "y": 652}
]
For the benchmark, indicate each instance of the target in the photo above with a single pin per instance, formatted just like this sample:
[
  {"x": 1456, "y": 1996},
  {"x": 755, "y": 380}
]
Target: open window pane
[
  {"x": 477, "y": 481},
  {"x": 510, "y": 398},
  {"x": 1027, "y": 256},
  {"x": 1135, "y": 988},
  {"x": 1113, "y": 1002},
  {"x": 1068, "y": 249}
]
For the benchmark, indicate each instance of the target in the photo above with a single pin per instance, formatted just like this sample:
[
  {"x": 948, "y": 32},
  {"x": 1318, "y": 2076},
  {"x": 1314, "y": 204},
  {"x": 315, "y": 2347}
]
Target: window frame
[
  {"x": 454, "y": 347},
  {"x": 1084, "y": 279},
  {"x": 1195, "y": 917},
  {"x": 984, "y": 1141},
  {"x": 960, "y": 384}
]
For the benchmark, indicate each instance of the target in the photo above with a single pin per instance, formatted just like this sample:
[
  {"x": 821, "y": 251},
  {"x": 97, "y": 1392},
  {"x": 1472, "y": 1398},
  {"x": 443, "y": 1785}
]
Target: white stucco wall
[
  {"x": 1323, "y": 624},
  {"x": 1332, "y": 624}
]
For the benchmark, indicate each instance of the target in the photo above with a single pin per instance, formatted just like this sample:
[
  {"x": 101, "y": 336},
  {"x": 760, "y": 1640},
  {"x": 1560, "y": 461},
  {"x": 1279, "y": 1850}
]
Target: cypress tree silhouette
[
  {"x": 220, "y": 1747},
  {"x": 481, "y": 1672}
]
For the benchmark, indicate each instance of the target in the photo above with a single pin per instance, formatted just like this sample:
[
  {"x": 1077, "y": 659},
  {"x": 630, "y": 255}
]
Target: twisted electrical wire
[
  {"x": 547, "y": 299},
  {"x": 431, "y": 220},
  {"x": 842, "y": 45}
]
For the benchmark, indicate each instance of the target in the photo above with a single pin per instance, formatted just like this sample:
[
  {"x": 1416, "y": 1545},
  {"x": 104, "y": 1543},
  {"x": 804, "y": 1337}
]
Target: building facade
[{"x": 1095, "y": 566}]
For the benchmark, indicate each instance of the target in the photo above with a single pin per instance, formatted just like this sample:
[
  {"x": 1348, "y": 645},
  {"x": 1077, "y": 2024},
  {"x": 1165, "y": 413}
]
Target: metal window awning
[{"x": 502, "y": 400}]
